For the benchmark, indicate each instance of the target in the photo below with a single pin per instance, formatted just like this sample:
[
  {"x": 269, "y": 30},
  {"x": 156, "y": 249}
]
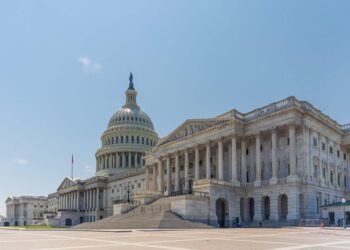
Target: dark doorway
[
  {"x": 251, "y": 209},
  {"x": 81, "y": 219},
  {"x": 266, "y": 208},
  {"x": 16, "y": 223},
  {"x": 24, "y": 223},
  {"x": 68, "y": 222},
  {"x": 6, "y": 224},
  {"x": 283, "y": 207},
  {"x": 221, "y": 212}
]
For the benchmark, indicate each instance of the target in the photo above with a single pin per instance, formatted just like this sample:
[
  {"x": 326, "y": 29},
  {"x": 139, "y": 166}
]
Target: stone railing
[
  {"x": 284, "y": 104},
  {"x": 346, "y": 127}
]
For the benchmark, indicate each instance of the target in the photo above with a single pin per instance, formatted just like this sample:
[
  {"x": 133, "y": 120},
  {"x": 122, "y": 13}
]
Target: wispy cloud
[
  {"x": 21, "y": 161},
  {"x": 89, "y": 65},
  {"x": 89, "y": 169}
]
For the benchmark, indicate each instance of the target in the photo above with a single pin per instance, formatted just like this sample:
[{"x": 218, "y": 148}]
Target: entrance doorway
[
  {"x": 265, "y": 208},
  {"x": 68, "y": 222},
  {"x": 283, "y": 207},
  {"x": 221, "y": 210}
]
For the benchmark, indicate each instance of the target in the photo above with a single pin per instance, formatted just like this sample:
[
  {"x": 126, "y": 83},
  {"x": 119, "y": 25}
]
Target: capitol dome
[{"x": 129, "y": 136}]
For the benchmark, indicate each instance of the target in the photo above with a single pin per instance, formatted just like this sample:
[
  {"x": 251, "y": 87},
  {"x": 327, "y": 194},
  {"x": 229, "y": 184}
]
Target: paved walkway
[{"x": 281, "y": 239}]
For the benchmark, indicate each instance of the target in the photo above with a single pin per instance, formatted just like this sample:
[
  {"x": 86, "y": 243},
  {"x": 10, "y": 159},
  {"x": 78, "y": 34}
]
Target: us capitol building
[{"x": 280, "y": 164}]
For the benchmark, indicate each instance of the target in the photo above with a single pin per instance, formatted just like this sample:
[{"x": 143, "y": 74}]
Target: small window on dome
[
  {"x": 132, "y": 118},
  {"x": 137, "y": 139},
  {"x": 116, "y": 140},
  {"x": 132, "y": 139},
  {"x": 127, "y": 139},
  {"x": 127, "y": 118},
  {"x": 122, "y": 139},
  {"x": 143, "y": 140},
  {"x": 123, "y": 118}
]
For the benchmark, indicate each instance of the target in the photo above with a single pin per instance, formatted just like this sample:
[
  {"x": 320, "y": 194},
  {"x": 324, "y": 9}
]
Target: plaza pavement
[{"x": 241, "y": 238}]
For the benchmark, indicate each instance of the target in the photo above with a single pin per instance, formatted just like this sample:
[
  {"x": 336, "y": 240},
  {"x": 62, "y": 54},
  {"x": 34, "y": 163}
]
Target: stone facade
[
  {"x": 276, "y": 163},
  {"x": 25, "y": 210}
]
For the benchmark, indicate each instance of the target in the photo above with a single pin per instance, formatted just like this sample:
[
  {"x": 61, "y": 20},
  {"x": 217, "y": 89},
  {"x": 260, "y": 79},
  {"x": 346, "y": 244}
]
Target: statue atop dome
[{"x": 131, "y": 83}]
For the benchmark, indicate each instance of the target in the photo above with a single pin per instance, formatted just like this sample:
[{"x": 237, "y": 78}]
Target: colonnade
[
  {"x": 158, "y": 167},
  {"x": 88, "y": 200},
  {"x": 119, "y": 160}
]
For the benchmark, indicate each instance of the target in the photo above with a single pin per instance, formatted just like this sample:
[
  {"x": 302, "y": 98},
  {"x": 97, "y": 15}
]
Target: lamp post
[
  {"x": 189, "y": 179},
  {"x": 128, "y": 190},
  {"x": 343, "y": 201}
]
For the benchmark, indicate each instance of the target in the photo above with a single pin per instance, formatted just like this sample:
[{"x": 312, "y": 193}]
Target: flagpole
[{"x": 72, "y": 167}]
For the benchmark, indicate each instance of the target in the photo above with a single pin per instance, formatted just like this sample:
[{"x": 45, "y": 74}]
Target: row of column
[
  {"x": 119, "y": 160},
  {"x": 69, "y": 201},
  {"x": 90, "y": 200},
  {"x": 234, "y": 170}
]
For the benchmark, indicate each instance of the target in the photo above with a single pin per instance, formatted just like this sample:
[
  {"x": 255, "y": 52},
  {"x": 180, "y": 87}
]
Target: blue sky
[{"x": 64, "y": 67}]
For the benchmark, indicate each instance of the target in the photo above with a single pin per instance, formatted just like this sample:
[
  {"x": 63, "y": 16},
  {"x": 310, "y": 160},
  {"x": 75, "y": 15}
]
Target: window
[
  {"x": 323, "y": 146},
  {"x": 324, "y": 173},
  {"x": 315, "y": 142},
  {"x": 132, "y": 139},
  {"x": 344, "y": 157},
  {"x": 338, "y": 179},
  {"x": 331, "y": 177},
  {"x": 331, "y": 150},
  {"x": 247, "y": 151},
  {"x": 261, "y": 148},
  {"x": 127, "y": 139},
  {"x": 288, "y": 141},
  {"x": 122, "y": 139},
  {"x": 143, "y": 140},
  {"x": 116, "y": 140},
  {"x": 338, "y": 153},
  {"x": 112, "y": 140},
  {"x": 137, "y": 139},
  {"x": 345, "y": 181}
]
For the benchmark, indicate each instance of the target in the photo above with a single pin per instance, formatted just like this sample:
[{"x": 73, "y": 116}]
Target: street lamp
[
  {"x": 128, "y": 190},
  {"x": 343, "y": 201}
]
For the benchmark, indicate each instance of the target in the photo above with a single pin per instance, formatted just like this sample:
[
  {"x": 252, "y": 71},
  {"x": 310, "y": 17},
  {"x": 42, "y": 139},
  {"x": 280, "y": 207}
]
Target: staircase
[{"x": 156, "y": 215}]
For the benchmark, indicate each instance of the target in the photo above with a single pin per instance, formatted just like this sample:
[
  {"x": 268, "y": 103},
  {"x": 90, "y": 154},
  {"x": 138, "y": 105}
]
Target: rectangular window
[
  {"x": 331, "y": 177},
  {"x": 324, "y": 173},
  {"x": 331, "y": 150},
  {"x": 344, "y": 157},
  {"x": 338, "y": 153},
  {"x": 323, "y": 146},
  {"x": 132, "y": 139},
  {"x": 315, "y": 142}
]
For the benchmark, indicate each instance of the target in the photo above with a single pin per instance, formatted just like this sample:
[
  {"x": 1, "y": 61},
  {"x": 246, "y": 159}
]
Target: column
[
  {"x": 147, "y": 179},
  {"x": 110, "y": 161},
  {"x": 78, "y": 201},
  {"x": 104, "y": 198},
  {"x": 154, "y": 186},
  {"x": 97, "y": 199},
  {"x": 161, "y": 176},
  {"x": 129, "y": 160},
  {"x": 177, "y": 172},
  {"x": 196, "y": 163},
  {"x": 273, "y": 179},
  {"x": 221, "y": 160},
  {"x": 292, "y": 155},
  {"x": 117, "y": 160},
  {"x": 257, "y": 182},
  {"x": 187, "y": 168},
  {"x": 234, "y": 159},
  {"x": 123, "y": 160},
  {"x": 207, "y": 165},
  {"x": 141, "y": 160},
  {"x": 84, "y": 200},
  {"x": 168, "y": 171},
  {"x": 135, "y": 160},
  {"x": 243, "y": 161}
]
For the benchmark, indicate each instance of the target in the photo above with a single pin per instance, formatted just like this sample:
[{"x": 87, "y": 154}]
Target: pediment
[
  {"x": 191, "y": 127},
  {"x": 8, "y": 199},
  {"x": 66, "y": 183}
]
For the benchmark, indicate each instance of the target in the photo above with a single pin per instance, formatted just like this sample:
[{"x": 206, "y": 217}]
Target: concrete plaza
[{"x": 284, "y": 239}]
